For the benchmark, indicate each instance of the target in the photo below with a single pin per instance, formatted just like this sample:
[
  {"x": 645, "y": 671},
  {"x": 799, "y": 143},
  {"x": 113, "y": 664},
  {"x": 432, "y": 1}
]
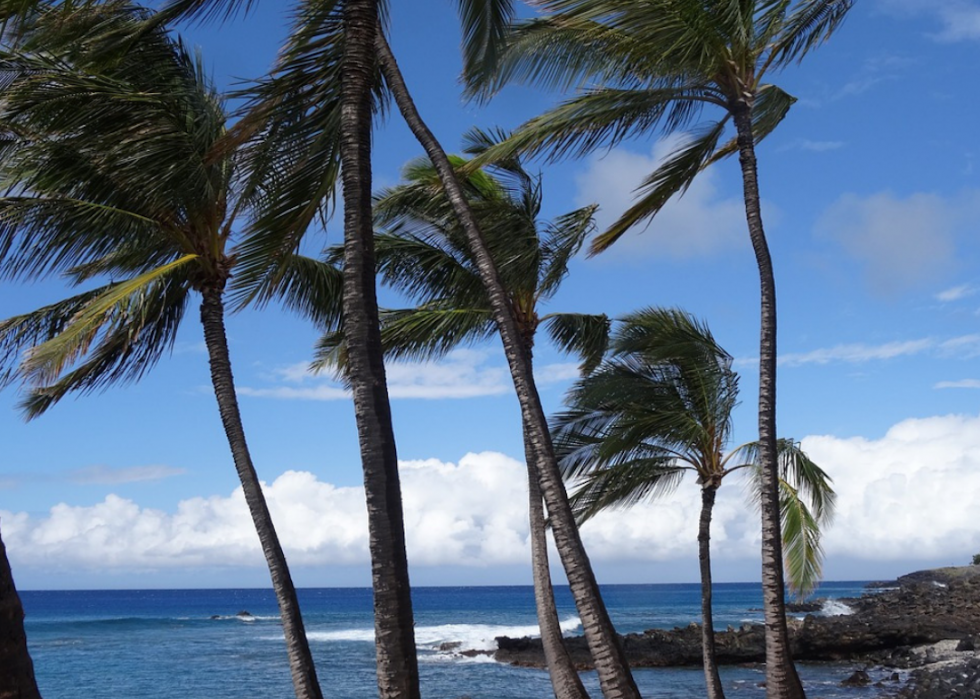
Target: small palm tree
[
  {"x": 660, "y": 406},
  {"x": 424, "y": 253},
  {"x": 117, "y": 172},
  {"x": 661, "y": 64}
]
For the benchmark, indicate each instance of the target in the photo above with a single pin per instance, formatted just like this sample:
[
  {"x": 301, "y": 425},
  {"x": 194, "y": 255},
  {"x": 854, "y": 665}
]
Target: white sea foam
[
  {"x": 833, "y": 607},
  {"x": 463, "y": 637}
]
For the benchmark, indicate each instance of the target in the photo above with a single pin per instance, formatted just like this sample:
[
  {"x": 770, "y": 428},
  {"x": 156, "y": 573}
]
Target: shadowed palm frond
[
  {"x": 563, "y": 239},
  {"x": 673, "y": 177},
  {"x": 583, "y": 335},
  {"x": 312, "y": 288},
  {"x": 807, "y": 26},
  {"x": 485, "y": 24},
  {"x": 623, "y": 485}
]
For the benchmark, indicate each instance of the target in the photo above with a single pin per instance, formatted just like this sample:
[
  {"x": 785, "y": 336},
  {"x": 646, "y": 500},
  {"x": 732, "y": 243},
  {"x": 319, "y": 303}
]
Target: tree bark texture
[
  {"x": 565, "y": 680},
  {"x": 614, "y": 674},
  {"x": 301, "y": 666},
  {"x": 782, "y": 681},
  {"x": 711, "y": 678},
  {"x": 398, "y": 673},
  {"x": 16, "y": 668}
]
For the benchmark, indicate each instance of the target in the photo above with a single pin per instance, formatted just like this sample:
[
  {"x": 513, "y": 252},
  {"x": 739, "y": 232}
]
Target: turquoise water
[{"x": 164, "y": 644}]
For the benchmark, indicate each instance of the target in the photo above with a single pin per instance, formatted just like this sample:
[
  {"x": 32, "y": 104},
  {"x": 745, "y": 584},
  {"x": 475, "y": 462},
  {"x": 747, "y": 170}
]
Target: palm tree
[
  {"x": 425, "y": 255},
  {"x": 116, "y": 173},
  {"x": 17, "y": 679},
  {"x": 661, "y": 64},
  {"x": 613, "y": 671},
  {"x": 661, "y": 406}
]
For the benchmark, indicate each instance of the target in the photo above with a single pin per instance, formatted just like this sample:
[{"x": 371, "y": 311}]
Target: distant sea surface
[{"x": 193, "y": 644}]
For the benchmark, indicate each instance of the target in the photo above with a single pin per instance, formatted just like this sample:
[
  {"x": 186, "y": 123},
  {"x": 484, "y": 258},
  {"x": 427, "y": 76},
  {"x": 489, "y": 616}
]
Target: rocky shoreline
[{"x": 927, "y": 622}]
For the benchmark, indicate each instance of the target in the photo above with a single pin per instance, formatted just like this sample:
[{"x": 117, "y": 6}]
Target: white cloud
[
  {"x": 912, "y": 494},
  {"x": 107, "y": 475},
  {"x": 962, "y": 383},
  {"x": 855, "y": 353},
  {"x": 959, "y": 20},
  {"x": 700, "y": 222},
  {"x": 956, "y": 293},
  {"x": 900, "y": 241},
  {"x": 812, "y": 146},
  {"x": 463, "y": 373}
]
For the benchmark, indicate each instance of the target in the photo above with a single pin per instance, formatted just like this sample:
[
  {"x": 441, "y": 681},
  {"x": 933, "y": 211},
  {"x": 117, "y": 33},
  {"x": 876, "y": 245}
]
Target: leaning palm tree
[
  {"x": 660, "y": 65},
  {"x": 115, "y": 172},
  {"x": 424, "y": 253},
  {"x": 660, "y": 406}
]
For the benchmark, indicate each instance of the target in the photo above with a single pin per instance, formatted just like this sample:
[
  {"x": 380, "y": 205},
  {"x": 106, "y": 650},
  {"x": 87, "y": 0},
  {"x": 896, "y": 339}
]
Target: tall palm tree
[
  {"x": 661, "y": 64},
  {"x": 116, "y": 174},
  {"x": 613, "y": 671},
  {"x": 424, "y": 253},
  {"x": 17, "y": 679},
  {"x": 660, "y": 406}
]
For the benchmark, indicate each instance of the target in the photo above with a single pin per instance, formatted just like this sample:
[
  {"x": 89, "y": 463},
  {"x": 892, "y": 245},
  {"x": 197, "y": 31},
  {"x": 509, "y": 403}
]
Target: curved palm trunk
[
  {"x": 711, "y": 677},
  {"x": 300, "y": 660},
  {"x": 615, "y": 677},
  {"x": 564, "y": 678},
  {"x": 17, "y": 674},
  {"x": 782, "y": 682},
  {"x": 398, "y": 672}
]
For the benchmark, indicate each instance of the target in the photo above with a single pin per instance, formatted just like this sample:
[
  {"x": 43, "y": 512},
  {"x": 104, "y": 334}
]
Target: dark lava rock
[
  {"x": 924, "y": 609},
  {"x": 860, "y": 678},
  {"x": 244, "y": 613}
]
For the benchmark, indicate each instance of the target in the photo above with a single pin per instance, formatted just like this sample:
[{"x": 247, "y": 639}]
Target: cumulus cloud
[
  {"x": 958, "y": 20},
  {"x": 463, "y": 373},
  {"x": 901, "y": 242},
  {"x": 912, "y": 494},
  {"x": 700, "y": 222}
]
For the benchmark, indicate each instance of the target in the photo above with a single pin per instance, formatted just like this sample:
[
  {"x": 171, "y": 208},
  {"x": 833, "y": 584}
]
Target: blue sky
[{"x": 872, "y": 203}]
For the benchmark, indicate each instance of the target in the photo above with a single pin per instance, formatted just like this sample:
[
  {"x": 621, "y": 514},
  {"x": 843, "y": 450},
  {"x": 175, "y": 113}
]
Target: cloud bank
[{"x": 912, "y": 494}]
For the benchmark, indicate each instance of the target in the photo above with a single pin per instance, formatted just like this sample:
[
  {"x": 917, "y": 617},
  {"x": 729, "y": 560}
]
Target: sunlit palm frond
[
  {"x": 121, "y": 311},
  {"x": 802, "y": 552}
]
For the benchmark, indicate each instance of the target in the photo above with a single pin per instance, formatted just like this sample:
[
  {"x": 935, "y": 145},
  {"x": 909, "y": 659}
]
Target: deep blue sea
[{"x": 164, "y": 644}]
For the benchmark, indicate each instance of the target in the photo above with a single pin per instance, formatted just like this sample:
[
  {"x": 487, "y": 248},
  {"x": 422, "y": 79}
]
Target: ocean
[{"x": 195, "y": 644}]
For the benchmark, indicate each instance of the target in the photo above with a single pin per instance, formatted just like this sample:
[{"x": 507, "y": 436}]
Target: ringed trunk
[
  {"x": 711, "y": 678},
  {"x": 17, "y": 677},
  {"x": 614, "y": 674},
  {"x": 782, "y": 681},
  {"x": 301, "y": 666},
  {"x": 398, "y": 672},
  {"x": 565, "y": 680}
]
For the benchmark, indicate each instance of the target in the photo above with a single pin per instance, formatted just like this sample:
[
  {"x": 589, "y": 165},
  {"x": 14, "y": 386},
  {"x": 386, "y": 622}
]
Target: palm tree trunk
[
  {"x": 564, "y": 678},
  {"x": 398, "y": 671},
  {"x": 301, "y": 666},
  {"x": 711, "y": 677},
  {"x": 615, "y": 677},
  {"x": 782, "y": 681},
  {"x": 17, "y": 674}
]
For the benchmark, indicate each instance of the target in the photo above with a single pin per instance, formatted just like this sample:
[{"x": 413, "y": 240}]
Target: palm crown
[{"x": 660, "y": 405}]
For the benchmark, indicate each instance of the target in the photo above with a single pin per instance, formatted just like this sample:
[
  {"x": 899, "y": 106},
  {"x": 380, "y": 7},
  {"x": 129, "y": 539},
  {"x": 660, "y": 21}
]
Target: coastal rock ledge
[{"x": 929, "y": 620}]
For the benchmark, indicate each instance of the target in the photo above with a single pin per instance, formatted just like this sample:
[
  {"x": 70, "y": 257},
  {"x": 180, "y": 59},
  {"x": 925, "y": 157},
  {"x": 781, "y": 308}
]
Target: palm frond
[
  {"x": 433, "y": 330},
  {"x": 119, "y": 315},
  {"x": 673, "y": 177},
  {"x": 583, "y": 335},
  {"x": 802, "y": 552},
  {"x": 623, "y": 485},
  {"x": 563, "y": 239},
  {"x": 312, "y": 288},
  {"x": 810, "y": 24},
  {"x": 485, "y": 24}
]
